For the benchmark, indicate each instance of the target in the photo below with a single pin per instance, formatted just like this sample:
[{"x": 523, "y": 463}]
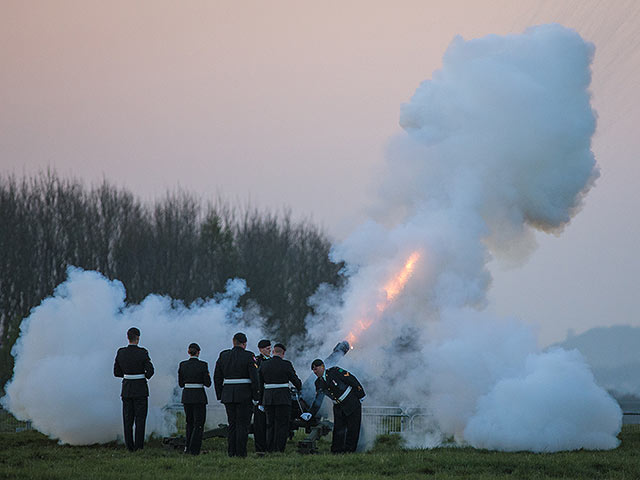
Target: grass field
[{"x": 32, "y": 455}]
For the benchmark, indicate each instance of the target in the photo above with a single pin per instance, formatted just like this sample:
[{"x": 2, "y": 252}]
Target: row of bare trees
[{"x": 175, "y": 246}]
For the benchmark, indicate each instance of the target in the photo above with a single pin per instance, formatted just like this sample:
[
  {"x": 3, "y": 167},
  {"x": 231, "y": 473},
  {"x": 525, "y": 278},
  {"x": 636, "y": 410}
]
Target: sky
[{"x": 293, "y": 104}]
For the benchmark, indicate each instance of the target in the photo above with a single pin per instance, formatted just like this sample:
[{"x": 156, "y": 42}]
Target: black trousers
[
  {"x": 239, "y": 417},
  {"x": 196, "y": 414},
  {"x": 134, "y": 410},
  {"x": 346, "y": 429},
  {"x": 277, "y": 427},
  {"x": 260, "y": 429}
]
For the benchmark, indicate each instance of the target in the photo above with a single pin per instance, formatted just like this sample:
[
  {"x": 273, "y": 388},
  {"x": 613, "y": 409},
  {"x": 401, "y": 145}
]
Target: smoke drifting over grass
[
  {"x": 497, "y": 144},
  {"x": 63, "y": 378}
]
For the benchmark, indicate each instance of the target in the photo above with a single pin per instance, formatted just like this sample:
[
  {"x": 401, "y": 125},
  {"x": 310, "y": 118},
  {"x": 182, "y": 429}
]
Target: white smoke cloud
[
  {"x": 497, "y": 144},
  {"x": 560, "y": 407},
  {"x": 63, "y": 377}
]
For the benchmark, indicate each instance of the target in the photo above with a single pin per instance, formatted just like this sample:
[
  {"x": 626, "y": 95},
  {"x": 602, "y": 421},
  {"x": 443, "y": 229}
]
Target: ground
[{"x": 32, "y": 455}]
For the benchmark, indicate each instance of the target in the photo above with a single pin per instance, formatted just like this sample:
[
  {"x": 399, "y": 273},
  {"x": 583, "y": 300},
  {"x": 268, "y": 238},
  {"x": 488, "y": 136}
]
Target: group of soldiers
[{"x": 247, "y": 386}]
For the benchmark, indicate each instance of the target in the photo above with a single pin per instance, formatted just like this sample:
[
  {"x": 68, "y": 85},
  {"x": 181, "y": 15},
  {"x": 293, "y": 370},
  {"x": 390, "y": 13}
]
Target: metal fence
[
  {"x": 383, "y": 420},
  {"x": 9, "y": 424},
  {"x": 631, "y": 409}
]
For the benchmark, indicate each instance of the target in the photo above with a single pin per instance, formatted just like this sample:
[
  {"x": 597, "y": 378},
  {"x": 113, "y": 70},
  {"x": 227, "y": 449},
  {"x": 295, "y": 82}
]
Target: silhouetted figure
[
  {"x": 193, "y": 377},
  {"x": 134, "y": 366},
  {"x": 236, "y": 382}
]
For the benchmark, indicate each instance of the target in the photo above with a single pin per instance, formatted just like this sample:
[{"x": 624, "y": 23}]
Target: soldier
[
  {"x": 134, "y": 366},
  {"x": 346, "y": 393},
  {"x": 193, "y": 376},
  {"x": 236, "y": 381},
  {"x": 259, "y": 416},
  {"x": 275, "y": 376}
]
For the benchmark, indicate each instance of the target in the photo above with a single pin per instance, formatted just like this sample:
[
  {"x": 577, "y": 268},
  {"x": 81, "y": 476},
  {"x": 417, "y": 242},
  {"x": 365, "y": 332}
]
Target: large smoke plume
[{"x": 497, "y": 144}]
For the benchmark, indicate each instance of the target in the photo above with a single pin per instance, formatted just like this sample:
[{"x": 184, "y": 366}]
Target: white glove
[
  {"x": 306, "y": 416},
  {"x": 362, "y": 400},
  {"x": 261, "y": 408},
  {"x": 255, "y": 402}
]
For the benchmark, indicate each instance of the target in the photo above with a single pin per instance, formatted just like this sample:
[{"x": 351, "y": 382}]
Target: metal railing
[
  {"x": 9, "y": 423},
  {"x": 631, "y": 418},
  {"x": 384, "y": 420}
]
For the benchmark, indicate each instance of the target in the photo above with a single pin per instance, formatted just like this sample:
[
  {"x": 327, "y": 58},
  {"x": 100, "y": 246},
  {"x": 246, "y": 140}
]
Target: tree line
[{"x": 177, "y": 246}]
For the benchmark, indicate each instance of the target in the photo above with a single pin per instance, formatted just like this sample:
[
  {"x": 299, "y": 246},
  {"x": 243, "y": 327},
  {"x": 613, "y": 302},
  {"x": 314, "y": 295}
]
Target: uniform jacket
[
  {"x": 333, "y": 384},
  {"x": 133, "y": 360},
  {"x": 194, "y": 370},
  {"x": 277, "y": 370},
  {"x": 236, "y": 363},
  {"x": 260, "y": 358}
]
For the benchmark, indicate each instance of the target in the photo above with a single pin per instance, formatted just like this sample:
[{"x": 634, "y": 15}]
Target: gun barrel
[{"x": 339, "y": 351}]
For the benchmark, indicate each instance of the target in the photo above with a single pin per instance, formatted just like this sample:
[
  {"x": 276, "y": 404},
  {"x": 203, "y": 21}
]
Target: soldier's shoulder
[
  {"x": 224, "y": 352},
  {"x": 339, "y": 371},
  {"x": 249, "y": 354}
]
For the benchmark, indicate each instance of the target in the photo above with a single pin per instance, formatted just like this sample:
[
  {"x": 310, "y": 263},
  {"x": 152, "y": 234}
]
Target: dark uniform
[
  {"x": 275, "y": 376},
  {"x": 236, "y": 382},
  {"x": 134, "y": 365},
  {"x": 193, "y": 376},
  {"x": 260, "y": 417},
  {"x": 345, "y": 391}
]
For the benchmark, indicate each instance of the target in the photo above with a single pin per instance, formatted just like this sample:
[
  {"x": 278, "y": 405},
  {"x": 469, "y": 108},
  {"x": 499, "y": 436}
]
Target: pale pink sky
[{"x": 292, "y": 103}]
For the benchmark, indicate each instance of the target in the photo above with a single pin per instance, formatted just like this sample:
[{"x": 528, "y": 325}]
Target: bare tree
[{"x": 172, "y": 247}]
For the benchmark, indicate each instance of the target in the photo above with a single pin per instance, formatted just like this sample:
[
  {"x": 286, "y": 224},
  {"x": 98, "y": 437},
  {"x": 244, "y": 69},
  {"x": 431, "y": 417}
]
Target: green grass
[{"x": 31, "y": 455}]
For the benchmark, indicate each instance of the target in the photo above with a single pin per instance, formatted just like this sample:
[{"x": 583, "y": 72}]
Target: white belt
[
  {"x": 193, "y": 385},
  {"x": 135, "y": 376},
  {"x": 344, "y": 395},
  {"x": 275, "y": 385},
  {"x": 235, "y": 381}
]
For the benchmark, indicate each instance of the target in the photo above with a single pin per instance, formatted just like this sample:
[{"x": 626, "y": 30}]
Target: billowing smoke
[
  {"x": 497, "y": 144},
  {"x": 63, "y": 378}
]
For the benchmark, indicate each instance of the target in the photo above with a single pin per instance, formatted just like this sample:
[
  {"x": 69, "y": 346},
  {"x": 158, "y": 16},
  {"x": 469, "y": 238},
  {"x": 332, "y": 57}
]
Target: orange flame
[
  {"x": 392, "y": 289},
  {"x": 396, "y": 284}
]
